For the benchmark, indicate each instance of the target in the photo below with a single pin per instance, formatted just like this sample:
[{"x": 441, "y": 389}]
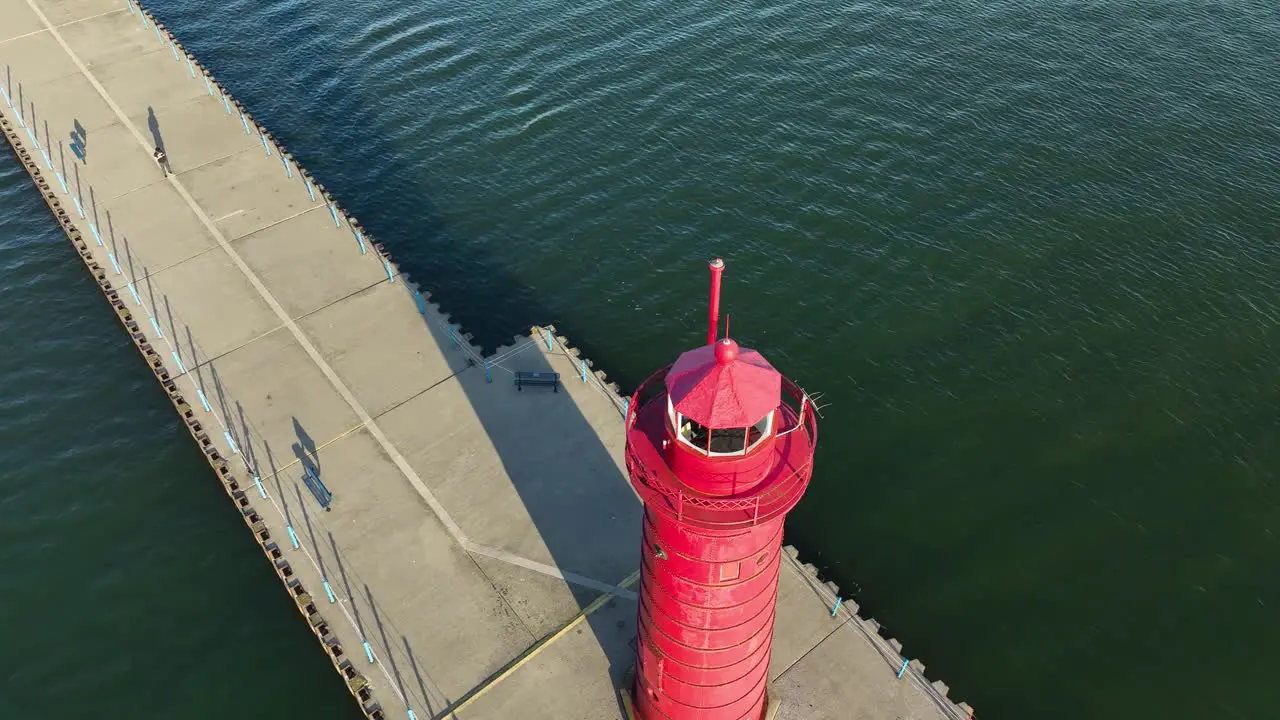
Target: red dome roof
[{"x": 724, "y": 386}]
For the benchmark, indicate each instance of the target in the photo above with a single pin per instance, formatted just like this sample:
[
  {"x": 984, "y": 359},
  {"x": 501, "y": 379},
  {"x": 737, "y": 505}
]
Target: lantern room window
[{"x": 718, "y": 441}]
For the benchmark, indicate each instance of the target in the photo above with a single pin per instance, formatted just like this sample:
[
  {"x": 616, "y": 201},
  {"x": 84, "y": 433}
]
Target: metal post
[
  {"x": 717, "y": 269},
  {"x": 245, "y": 120},
  {"x": 626, "y": 410},
  {"x": 359, "y": 239},
  {"x": 114, "y": 264},
  {"x": 368, "y": 651},
  {"x": 178, "y": 361},
  {"x": 453, "y": 338},
  {"x": 293, "y": 537},
  {"x": 329, "y": 591},
  {"x": 287, "y": 170},
  {"x": 310, "y": 192},
  {"x": 487, "y": 376},
  {"x": 156, "y": 326},
  {"x": 582, "y": 368},
  {"x": 334, "y": 212},
  {"x": 226, "y": 104},
  {"x": 265, "y": 146},
  {"x": 390, "y": 276},
  {"x": 548, "y": 334},
  {"x": 191, "y": 67},
  {"x": 207, "y": 86},
  {"x": 903, "y": 669},
  {"x": 262, "y": 492},
  {"x": 422, "y": 308},
  {"x": 836, "y": 609}
]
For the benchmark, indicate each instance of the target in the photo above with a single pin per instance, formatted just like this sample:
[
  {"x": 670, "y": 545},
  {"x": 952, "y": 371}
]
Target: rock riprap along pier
[{"x": 459, "y": 549}]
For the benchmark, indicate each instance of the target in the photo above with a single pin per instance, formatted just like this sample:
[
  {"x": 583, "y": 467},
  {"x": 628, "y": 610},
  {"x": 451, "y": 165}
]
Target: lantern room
[{"x": 722, "y": 407}]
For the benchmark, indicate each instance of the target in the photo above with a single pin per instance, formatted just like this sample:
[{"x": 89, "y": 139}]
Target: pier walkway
[{"x": 469, "y": 548}]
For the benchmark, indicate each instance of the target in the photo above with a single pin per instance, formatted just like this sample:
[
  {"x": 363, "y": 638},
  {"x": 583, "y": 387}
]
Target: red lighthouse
[{"x": 719, "y": 448}]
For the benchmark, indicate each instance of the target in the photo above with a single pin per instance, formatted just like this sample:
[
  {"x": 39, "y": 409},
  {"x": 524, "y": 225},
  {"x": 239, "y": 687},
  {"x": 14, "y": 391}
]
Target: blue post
[
  {"x": 114, "y": 264},
  {"x": 47, "y": 161},
  {"x": 79, "y": 207},
  {"x": 333, "y": 210},
  {"x": 158, "y": 35},
  {"x": 234, "y": 450},
  {"x": 411, "y": 715},
  {"x": 96, "y": 236},
  {"x": 287, "y": 170},
  {"x": 246, "y": 124},
  {"x": 207, "y": 86},
  {"x": 32, "y": 136},
  {"x": 265, "y": 146},
  {"x": 368, "y": 651},
  {"x": 453, "y": 339},
  {"x": 155, "y": 325},
  {"x": 174, "y": 50},
  {"x": 903, "y": 669},
  {"x": 137, "y": 300},
  {"x": 626, "y": 409},
  {"x": 582, "y": 368},
  {"x": 548, "y": 334},
  {"x": 293, "y": 537},
  {"x": 18, "y": 113},
  {"x": 191, "y": 67},
  {"x": 836, "y": 609},
  {"x": 359, "y": 239},
  {"x": 262, "y": 492},
  {"x": 62, "y": 181},
  {"x": 178, "y": 360},
  {"x": 422, "y": 309},
  {"x": 487, "y": 376},
  {"x": 311, "y": 193},
  {"x": 129, "y": 5},
  {"x": 7, "y": 101},
  {"x": 329, "y": 591},
  {"x": 226, "y": 104},
  {"x": 204, "y": 402},
  {"x": 390, "y": 276}
]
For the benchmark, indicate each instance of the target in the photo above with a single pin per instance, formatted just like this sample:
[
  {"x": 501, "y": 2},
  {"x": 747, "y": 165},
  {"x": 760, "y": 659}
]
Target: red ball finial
[{"x": 726, "y": 351}]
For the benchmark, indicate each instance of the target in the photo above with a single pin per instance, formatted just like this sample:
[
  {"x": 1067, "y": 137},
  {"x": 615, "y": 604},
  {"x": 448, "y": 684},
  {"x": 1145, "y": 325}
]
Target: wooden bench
[{"x": 545, "y": 379}]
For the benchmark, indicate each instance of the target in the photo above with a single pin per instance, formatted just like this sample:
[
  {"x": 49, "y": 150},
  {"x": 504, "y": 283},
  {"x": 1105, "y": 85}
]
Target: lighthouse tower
[{"x": 719, "y": 448}]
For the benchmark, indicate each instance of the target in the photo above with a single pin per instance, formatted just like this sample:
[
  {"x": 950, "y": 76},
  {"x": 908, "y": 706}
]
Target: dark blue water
[{"x": 1026, "y": 249}]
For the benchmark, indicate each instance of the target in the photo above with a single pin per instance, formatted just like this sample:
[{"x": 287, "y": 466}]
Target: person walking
[{"x": 162, "y": 160}]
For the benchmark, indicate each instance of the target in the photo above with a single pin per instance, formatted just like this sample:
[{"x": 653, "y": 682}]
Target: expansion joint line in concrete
[
  {"x": 510, "y": 668},
  {"x": 309, "y": 348}
]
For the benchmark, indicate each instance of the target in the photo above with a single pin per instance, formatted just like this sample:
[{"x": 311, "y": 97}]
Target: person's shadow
[
  {"x": 162, "y": 157},
  {"x": 154, "y": 125}
]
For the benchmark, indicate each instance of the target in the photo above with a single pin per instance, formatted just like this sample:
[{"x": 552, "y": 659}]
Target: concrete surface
[{"x": 471, "y": 525}]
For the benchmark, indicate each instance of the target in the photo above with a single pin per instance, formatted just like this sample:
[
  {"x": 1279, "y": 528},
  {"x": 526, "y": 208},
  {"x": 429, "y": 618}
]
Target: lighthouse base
[{"x": 772, "y": 701}]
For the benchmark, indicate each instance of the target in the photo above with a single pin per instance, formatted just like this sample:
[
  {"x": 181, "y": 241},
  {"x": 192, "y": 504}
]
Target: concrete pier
[{"x": 459, "y": 548}]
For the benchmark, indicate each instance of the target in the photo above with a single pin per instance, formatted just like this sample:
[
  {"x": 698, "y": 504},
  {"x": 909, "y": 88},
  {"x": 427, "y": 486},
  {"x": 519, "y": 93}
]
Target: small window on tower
[{"x": 729, "y": 571}]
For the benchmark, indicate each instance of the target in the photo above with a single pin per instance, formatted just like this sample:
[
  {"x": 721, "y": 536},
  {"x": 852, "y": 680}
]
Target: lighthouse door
[{"x": 651, "y": 667}]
